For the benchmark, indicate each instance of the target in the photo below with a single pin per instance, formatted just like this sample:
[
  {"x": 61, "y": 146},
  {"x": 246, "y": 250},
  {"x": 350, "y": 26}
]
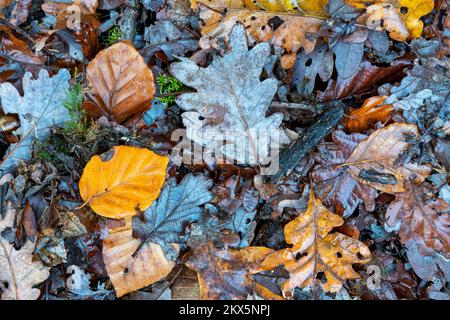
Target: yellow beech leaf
[
  {"x": 372, "y": 111},
  {"x": 123, "y": 181},
  {"x": 401, "y": 18},
  {"x": 315, "y": 250},
  {"x": 278, "y": 22},
  {"x": 128, "y": 272}
]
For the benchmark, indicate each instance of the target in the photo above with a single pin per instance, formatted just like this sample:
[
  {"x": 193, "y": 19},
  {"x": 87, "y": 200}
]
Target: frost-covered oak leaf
[{"x": 231, "y": 103}]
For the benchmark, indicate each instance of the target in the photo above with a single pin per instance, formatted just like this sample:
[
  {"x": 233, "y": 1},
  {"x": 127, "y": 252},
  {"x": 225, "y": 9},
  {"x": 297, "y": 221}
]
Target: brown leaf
[
  {"x": 121, "y": 82},
  {"x": 425, "y": 223},
  {"x": 368, "y": 76},
  {"x": 291, "y": 32},
  {"x": 374, "y": 161},
  {"x": 333, "y": 183},
  {"x": 20, "y": 12},
  {"x": 225, "y": 274},
  {"x": 315, "y": 250},
  {"x": 17, "y": 49},
  {"x": 372, "y": 111},
  {"x": 127, "y": 272}
]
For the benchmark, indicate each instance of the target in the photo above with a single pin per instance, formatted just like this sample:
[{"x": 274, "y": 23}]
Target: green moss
[
  {"x": 114, "y": 36},
  {"x": 168, "y": 85},
  {"x": 74, "y": 103}
]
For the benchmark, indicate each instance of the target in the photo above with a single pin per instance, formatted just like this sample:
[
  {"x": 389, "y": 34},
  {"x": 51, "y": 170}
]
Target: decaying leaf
[
  {"x": 425, "y": 223},
  {"x": 122, "y": 84},
  {"x": 374, "y": 162},
  {"x": 231, "y": 103},
  {"x": 129, "y": 272},
  {"x": 225, "y": 274},
  {"x": 335, "y": 186},
  {"x": 315, "y": 250},
  {"x": 18, "y": 272},
  {"x": 278, "y": 25},
  {"x": 400, "y": 18},
  {"x": 46, "y": 95},
  {"x": 123, "y": 182},
  {"x": 176, "y": 207},
  {"x": 372, "y": 111}
]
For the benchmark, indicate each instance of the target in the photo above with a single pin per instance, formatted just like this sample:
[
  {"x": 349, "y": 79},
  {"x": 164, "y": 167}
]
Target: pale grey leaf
[
  {"x": 242, "y": 222},
  {"x": 176, "y": 207},
  {"x": 165, "y": 36},
  {"x": 41, "y": 108},
  {"x": 231, "y": 103},
  {"x": 348, "y": 58}
]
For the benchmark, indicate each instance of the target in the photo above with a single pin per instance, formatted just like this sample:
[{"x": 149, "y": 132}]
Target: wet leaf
[
  {"x": 373, "y": 110},
  {"x": 315, "y": 250},
  {"x": 177, "y": 206}
]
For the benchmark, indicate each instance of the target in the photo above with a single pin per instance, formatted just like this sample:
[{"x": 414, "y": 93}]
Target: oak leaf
[
  {"x": 400, "y": 18},
  {"x": 231, "y": 103},
  {"x": 334, "y": 185},
  {"x": 47, "y": 95},
  {"x": 122, "y": 84},
  {"x": 123, "y": 181},
  {"x": 18, "y": 272},
  {"x": 425, "y": 223},
  {"x": 375, "y": 161},
  {"x": 315, "y": 250},
  {"x": 131, "y": 270},
  {"x": 176, "y": 207},
  {"x": 278, "y": 24},
  {"x": 372, "y": 111},
  {"x": 225, "y": 274}
]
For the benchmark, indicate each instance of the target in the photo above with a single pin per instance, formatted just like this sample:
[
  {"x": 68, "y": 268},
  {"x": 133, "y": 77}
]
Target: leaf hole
[
  {"x": 299, "y": 255},
  {"x": 309, "y": 62},
  {"x": 403, "y": 10},
  {"x": 338, "y": 254}
]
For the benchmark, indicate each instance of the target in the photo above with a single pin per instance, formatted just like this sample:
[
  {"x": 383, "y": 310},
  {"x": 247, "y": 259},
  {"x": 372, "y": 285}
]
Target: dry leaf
[
  {"x": 123, "y": 181},
  {"x": 315, "y": 250},
  {"x": 372, "y": 111},
  {"x": 278, "y": 26},
  {"x": 425, "y": 223},
  {"x": 127, "y": 272},
  {"x": 121, "y": 82},
  {"x": 225, "y": 274},
  {"x": 401, "y": 18},
  {"x": 374, "y": 161},
  {"x": 18, "y": 273}
]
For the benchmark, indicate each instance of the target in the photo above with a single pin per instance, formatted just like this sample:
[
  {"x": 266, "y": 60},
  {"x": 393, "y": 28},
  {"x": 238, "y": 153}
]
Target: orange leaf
[
  {"x": 122, "y": 84},
  {"x": 316, "y": 250},
  {"x": 123, "y": 181},
  {"x": 372, "y": 111},
  {"x": 130, "y": 273}
]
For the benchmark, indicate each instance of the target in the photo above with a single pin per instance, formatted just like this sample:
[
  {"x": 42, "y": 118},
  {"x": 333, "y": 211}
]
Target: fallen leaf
[
  {"x": 47, "y": 95},
  {"x": 18, "y": 273},
  {"x": 122, "y": 84},
  {"x": 334, "y": 185},
  {"x": 425, "y": 223},
  {"x": 123, "y": 181},
  {"x": 401, "y": 18},
  {"x": 225, "y": 274},
  {"x": 231, "y": 103},
  {"x": 277, "y": 25},
  {"x": 372, "y": 111},
  {"x": 177, "y": 206},
  {"x": 129, "y": 272},
  {"x": 315, "y": 250},
  {"x": 374, "y": 161}
]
